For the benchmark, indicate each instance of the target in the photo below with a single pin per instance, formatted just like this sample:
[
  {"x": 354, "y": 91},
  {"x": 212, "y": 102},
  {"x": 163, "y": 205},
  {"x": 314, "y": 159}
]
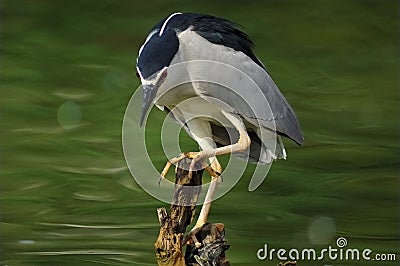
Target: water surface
[{"x": 67, "y": 73}]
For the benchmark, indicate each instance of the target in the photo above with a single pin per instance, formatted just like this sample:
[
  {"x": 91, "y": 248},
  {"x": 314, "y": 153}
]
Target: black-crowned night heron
[{"x": 219, "y": 120}]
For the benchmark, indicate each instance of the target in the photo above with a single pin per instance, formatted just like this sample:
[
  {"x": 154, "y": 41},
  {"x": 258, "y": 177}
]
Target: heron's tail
[{"x": 259, "y": 153}]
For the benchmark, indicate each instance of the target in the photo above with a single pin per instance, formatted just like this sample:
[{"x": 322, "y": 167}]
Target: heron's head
[{"x": 153, "y": 61}]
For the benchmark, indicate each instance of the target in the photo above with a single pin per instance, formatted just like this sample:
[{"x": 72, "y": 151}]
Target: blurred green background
[{"x": 67, "y": 74}]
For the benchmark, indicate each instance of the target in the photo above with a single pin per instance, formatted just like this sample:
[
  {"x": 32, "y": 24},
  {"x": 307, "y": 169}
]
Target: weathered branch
[
  {"x": 170, "y": 239},
  {"x": 211, "y": 244},
  {"x": 212, "y": 249}
]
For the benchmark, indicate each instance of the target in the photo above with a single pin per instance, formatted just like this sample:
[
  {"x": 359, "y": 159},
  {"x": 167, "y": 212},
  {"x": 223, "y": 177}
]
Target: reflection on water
[{"x": 67, "y": 75}]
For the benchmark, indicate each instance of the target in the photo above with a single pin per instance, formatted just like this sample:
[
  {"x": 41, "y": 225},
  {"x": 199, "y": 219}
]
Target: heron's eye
[{"x": 164, "y": 74}]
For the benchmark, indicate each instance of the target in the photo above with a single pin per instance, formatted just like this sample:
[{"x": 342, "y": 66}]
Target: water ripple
[
  {"x": 83, "y": 252},
  {"x": 73, "y": 96},
  {"x": 136, "y": 226},
  {"x": 91, "y": 170},
  {"x": 102, "y": 198}
]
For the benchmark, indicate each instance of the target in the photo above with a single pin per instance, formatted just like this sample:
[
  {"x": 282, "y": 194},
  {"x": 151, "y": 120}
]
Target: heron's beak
[{"x": 149, "y": 93}]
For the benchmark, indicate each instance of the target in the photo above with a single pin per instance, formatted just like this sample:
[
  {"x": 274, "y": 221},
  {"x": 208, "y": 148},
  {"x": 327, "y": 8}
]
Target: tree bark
[
  {"x": 206, "y": 245},
  {"x": 172, "y": 227}
]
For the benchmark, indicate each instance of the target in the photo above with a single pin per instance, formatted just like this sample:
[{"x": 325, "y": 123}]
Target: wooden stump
[
  {"x": 212, "y": 249},
  {"x": 170, "y": 241}
]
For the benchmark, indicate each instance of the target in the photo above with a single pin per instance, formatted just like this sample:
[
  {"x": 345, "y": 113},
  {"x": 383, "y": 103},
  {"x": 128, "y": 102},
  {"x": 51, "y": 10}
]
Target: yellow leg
[
  {"x": 242, "y": 144},
  {"x": 214, "y": 168}
]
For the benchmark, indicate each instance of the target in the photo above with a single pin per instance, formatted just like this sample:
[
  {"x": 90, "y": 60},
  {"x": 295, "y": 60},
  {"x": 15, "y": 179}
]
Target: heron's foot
[
  {"x": 214, "y": 168},
  {"x": 195, "y": 156},
  {"x": 212, "y": 172},
  {"x": 169, "y": 164},
  {"x": 191, "y": 237},
  {"x": 197, "y": 160},
  {"x": 209, "y": 233}
]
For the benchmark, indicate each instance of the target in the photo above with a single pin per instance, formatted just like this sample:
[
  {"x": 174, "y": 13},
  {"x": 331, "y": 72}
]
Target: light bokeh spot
[
  {"x": 321, "y": 230},
  {"x": 69, "y": 114}
]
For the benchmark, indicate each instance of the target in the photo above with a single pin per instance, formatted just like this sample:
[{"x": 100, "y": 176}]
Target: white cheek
[
  {"x": 140, "y": 74},
  {"x": 147, "y": 82}
]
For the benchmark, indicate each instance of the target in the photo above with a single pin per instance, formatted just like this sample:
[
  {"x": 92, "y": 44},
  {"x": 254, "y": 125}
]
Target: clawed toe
[
  {"x": 192, "y": 237},
  {"x": 168, "y": 165},
  {"x": 214, "y": 169},
  {"x": 195, "y": 156}
]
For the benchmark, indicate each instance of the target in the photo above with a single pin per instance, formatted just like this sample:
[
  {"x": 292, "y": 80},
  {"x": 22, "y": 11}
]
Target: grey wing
[
  {"x": 225, "y": 32},
  {"x": 285, "y": 118},
  {"x": 243, "y": 87}
]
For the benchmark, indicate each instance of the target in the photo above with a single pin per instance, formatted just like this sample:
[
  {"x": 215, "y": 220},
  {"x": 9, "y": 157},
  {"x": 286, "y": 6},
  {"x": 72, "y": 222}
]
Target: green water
[{"x": 66, "y": 76}]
